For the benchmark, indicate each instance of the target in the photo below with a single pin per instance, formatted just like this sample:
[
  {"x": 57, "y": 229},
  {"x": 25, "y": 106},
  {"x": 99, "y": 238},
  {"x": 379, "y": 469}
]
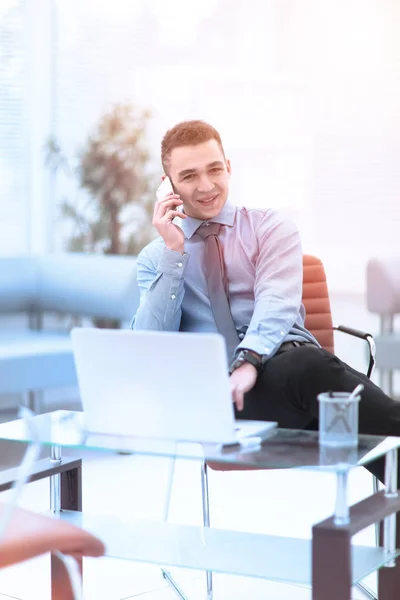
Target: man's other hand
[{"x": 242, "y": 380}]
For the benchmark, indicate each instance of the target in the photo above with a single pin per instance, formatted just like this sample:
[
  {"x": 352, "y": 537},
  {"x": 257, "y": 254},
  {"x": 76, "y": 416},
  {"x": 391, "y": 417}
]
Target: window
[{"x": 13, "y": 129}]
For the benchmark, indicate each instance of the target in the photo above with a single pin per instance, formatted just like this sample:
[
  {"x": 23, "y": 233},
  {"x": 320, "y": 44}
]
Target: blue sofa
[{"x": 34, "y": 358}]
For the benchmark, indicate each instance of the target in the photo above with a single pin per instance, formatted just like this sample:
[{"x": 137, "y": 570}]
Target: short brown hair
[{"x": 187, "y": 133}]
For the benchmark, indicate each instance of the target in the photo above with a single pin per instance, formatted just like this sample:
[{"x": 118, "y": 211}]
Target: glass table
[{"x": 329, "y": 562}]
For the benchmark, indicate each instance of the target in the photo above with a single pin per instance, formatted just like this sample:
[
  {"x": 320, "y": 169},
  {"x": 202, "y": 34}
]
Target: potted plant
[{"x": 113, "y": 215}]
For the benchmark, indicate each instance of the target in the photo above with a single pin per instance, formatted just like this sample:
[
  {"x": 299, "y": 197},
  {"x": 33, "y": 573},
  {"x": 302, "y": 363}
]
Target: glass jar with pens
[{"x": 338, "y": 418}]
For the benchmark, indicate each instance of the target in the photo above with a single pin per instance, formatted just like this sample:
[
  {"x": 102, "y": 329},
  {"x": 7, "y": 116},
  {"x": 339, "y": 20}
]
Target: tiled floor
[{"x": 278, "y": 502}]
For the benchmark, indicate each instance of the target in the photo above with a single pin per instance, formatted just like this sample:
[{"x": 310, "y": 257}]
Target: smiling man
[{"x": 239, "y": 271}]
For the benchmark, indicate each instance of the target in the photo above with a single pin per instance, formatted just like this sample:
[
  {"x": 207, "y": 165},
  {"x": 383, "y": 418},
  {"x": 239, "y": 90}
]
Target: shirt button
[
  {"x": 266, "y": 349},
  {"x": 173, "y": 296},
  {"x": 180, "y": 264},
  {"x": 207, "y": 224},
  {"x": 282, "y": 332}
]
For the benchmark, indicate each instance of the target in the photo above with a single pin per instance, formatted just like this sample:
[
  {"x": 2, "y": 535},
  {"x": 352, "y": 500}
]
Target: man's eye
[
  {"x": 216, "y": 170},
  {"x": 187, "y": 177}
]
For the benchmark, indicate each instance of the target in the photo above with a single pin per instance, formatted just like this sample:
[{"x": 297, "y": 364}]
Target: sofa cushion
[
  {"x": 18, "y": 284},
  {"x": 31, "y": 360},
  {"x": 88, "y": 285}
]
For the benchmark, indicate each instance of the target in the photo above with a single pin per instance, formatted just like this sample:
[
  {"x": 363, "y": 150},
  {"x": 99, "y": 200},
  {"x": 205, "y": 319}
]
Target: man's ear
[{"x": 228, "y": 166}]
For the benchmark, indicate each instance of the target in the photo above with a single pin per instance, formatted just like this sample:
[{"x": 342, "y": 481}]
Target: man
[{"x": 277, "y": 366}]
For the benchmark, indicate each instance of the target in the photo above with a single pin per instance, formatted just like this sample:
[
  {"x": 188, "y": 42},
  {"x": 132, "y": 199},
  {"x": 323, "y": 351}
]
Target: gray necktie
[{"x": 217, "y": 282}]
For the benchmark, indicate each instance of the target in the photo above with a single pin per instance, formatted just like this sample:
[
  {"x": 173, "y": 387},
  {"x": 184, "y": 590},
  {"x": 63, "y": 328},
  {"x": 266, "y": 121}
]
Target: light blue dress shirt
[{"x": 264, "y": 264}]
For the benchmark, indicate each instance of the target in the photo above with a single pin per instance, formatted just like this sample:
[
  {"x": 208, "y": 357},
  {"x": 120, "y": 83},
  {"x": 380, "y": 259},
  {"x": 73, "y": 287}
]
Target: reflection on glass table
[{"x": 284, "y": 448}]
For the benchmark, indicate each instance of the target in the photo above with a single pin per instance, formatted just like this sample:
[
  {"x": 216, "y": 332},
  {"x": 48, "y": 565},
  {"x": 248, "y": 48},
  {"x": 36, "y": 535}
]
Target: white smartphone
[{"x": 164, "y": 189}]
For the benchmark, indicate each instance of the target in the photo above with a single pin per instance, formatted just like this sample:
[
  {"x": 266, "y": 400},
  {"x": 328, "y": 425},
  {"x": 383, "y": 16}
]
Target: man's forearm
[
  {"x": 161, "y": 309},
  {"x": 162, "y": 294}
]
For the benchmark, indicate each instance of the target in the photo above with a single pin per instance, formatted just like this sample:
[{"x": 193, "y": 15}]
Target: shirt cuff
[
  {"x": 173, "y": 263},
  {"x": 257, "y": 344}
]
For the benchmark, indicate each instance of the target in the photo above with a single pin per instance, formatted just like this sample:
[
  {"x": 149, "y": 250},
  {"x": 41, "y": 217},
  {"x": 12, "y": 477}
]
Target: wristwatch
[{"x": 245, "y": 356}]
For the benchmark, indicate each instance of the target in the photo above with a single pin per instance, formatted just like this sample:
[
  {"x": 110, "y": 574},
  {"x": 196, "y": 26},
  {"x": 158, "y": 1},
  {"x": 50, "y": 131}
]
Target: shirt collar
[{"x": 226, "y": 217}]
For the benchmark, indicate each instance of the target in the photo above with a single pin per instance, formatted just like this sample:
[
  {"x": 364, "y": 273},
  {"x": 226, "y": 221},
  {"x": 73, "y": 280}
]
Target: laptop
[{"x": 161, "y": 385}]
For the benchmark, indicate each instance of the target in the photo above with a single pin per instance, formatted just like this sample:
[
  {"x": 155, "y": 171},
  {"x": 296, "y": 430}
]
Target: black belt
[{"x": 290, "y": 345}]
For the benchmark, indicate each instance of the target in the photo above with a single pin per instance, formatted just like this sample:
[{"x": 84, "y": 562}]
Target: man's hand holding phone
[{"x": 165, "y": 211}]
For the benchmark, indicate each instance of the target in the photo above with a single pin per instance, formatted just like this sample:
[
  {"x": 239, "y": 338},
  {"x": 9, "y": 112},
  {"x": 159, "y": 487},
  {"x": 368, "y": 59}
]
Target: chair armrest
[
  {"x": 354, "y": 332},
  {"x": 368, "y": 337}
]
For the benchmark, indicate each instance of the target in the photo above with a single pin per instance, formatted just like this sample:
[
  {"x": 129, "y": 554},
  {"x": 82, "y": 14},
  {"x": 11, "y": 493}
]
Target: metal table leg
[
  {"x": 65, "y": 494},
  {"x": 55, "y": 480},
  {"x": 389, "y": 576}
]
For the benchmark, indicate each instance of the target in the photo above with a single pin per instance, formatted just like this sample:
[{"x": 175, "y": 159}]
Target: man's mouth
[{"x": 209, "y": 200}]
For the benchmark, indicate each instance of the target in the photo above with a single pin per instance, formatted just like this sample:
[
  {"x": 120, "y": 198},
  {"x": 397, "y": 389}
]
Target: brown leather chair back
[{"x": 316, "y": 302}]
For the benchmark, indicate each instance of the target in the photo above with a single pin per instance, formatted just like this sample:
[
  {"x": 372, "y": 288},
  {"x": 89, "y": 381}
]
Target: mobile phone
[{"x": 164, "y": 189}]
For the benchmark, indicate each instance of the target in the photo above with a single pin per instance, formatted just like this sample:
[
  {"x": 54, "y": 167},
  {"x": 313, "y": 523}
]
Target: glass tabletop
[{"x": 284, "y": 448}]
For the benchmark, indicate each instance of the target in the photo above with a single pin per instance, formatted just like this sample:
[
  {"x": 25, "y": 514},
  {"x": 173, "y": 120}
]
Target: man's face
[{"x": 200, "y": 175}]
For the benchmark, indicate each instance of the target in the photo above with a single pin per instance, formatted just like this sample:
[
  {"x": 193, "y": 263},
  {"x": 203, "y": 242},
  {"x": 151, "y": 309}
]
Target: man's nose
[{"x": 205, "y": 185}]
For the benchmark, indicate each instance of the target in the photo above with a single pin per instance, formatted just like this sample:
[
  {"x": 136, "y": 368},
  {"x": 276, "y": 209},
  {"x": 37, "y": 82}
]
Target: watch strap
[
  {"x": 246, "y": 356},
  {"x": 250, "y": 358}
]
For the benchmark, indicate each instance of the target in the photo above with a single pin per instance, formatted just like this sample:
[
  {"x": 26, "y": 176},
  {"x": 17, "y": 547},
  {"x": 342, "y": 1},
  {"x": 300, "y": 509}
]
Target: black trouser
[{"x": 286, "y": 391}]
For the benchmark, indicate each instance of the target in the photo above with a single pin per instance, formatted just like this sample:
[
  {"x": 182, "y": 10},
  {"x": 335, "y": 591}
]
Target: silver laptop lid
[{"x": 165, "y": 385}]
